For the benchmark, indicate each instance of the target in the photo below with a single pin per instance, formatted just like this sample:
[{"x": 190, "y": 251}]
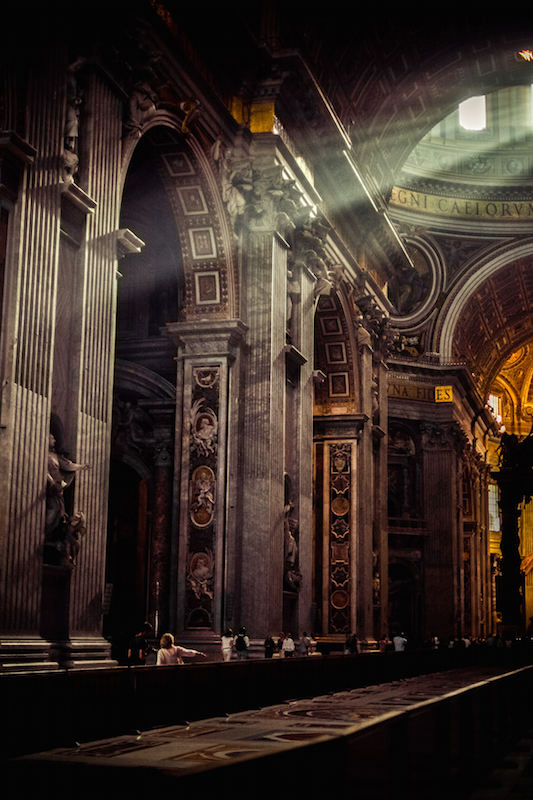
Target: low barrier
[{"x": 44, "y": 710}]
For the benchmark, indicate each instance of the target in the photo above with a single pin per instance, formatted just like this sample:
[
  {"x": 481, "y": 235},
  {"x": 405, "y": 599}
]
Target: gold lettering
[{"x": 443, "y": 394}]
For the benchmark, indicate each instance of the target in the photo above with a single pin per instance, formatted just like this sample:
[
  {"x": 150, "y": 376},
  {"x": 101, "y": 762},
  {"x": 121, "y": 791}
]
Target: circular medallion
[
  {"x": 339, "y": 599},
  {"x": 340, "y": 506}
]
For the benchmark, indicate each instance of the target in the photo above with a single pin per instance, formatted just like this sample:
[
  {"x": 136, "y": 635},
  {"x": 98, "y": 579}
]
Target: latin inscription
[
  {"x": 411, "y": 391},
  {"x": 450, "y": 207},
  {"x": 421, "y": 392}
]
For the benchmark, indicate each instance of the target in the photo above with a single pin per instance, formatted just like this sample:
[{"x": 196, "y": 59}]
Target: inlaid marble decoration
[
  {"x": 178, "y": 164},
  {"x": 336, "y": 352},
  {"x": 207, "y": 286},
  {"x": 340, "y": 485},
  {"x": 202, "y": 243},
  {"x": 203, "y": 460},
  {"x": 339, "y": 385},
  {"x": 192, "y": 200},
  {"x": 331, "y": 325}
]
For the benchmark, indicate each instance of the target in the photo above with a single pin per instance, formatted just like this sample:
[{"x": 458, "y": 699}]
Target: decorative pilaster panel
[
  {"x": 204, "y": 416},
  {"x": 338, "y": 532},
  {"x": 339, "y": 584},
  {"x": 206, "y": 351}
]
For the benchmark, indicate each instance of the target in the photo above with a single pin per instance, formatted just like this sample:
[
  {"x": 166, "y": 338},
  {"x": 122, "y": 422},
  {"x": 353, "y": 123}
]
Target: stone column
[
  {"x": 443, "y": 552},
  {"x": 380, "y": 516},
  {"x": 365, "y": 502},
  {"x": 260, "y": 545}
]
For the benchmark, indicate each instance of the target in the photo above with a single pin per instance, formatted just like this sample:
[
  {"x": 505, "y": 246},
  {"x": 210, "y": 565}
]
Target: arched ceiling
[
  {"x": 497, "y": 321},
  {"x": 389, "y": 75}
]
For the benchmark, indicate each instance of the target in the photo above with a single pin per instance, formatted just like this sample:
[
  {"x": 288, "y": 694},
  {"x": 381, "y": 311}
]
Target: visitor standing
[
  {"x": 169, "y": 653},
  {"x": 242, "y": 643},
  {"x": 227, "y": 645},
  {"x": 288, "y": 646}
]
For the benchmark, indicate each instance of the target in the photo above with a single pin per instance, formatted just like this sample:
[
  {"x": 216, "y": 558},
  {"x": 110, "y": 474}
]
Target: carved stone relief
[{"x": 203, "y": 458}]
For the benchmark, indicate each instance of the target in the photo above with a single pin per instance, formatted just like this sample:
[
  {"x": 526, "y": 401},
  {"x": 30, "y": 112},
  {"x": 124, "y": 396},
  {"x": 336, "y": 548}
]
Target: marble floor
[{"x": 206, "y": 744}]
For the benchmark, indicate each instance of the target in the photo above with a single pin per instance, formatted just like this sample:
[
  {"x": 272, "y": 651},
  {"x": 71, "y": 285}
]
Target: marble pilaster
[
  {"x": 206, "y": 458},
  {"x": 444, "y": 547}
]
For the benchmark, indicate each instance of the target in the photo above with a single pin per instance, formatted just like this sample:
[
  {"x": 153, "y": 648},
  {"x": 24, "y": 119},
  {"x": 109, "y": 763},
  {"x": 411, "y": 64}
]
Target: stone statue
[
  {"x": 61, "y": 473},
  {"x": 63, "y": 532},
  {"x": 141, "y": 106},
  {"x": 292, "y": 576},
  {"x": 61, "y": 548}
]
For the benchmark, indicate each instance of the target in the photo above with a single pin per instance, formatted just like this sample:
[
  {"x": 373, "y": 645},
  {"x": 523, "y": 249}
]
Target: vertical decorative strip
[
  {"x": 203, "y": 463},
  {"x": 340, "y": 496}
]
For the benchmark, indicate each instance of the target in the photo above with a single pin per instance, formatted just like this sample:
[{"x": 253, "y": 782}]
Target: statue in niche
[
  {"x": 204, "y": 428},
  {"x": 133, "y": 426},
  {"x": 72, "y": 122},
  {"x": 292, "y": 576},
  {"x": 63, "y": 531},
  {"x": 200, "y": 568},
  {"x": 376, "y": 588},
  {"x": 407, "y": 289},
  {"x": 61, "y": 548}
]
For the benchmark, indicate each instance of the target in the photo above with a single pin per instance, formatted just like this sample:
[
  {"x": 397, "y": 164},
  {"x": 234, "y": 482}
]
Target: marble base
[{"x": 25, "y": 653}]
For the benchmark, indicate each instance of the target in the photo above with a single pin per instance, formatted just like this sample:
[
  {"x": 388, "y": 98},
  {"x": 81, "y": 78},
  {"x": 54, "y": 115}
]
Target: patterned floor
[{"x": 201, "y": 745}]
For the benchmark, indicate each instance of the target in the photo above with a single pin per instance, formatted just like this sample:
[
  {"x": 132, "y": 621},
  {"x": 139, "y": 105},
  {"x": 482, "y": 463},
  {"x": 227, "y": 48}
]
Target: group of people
[
  {"x": 286, "y": 647},
  {"x": 238, "y": 643}
]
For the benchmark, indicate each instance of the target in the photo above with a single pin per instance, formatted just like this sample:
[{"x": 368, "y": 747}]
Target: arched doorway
[
  {"x": 139, "y": 564},
  {"x": 127, "y": 558}
]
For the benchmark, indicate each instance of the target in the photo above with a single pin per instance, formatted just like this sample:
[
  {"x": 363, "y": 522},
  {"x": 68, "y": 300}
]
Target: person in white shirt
[
  {"x": 169, "y": 653},
  {"x": 227, "y": 645},
  {"x": 288, "y": 646}
]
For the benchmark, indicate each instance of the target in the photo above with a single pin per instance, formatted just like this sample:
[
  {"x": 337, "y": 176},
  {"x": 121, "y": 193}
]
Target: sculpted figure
[
  {"x": 141, "y": 106},
  {"x": 292, "y": 575},
  {"x": 61, "y": 473},
  {"x": 63, "y": 532}
]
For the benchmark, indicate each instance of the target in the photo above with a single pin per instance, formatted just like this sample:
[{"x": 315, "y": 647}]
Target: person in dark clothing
[
  {"x": 140, "y": 647},
  {"x": 269, "y": 647}
]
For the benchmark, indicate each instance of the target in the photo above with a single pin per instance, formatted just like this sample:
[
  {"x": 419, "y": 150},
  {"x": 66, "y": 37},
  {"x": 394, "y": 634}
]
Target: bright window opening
[
  {"x": 473, "y": 114},
  {"x": 494, "y": 509},
  {"x": 494, "y": 402}
]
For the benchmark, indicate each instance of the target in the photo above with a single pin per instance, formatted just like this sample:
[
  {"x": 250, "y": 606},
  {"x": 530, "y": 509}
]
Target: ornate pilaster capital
[
  {"x": 447, "y": 436},
  {"x": 207, "y": 337},
  {"x": 260, "y": 197},
  {"x": 373, "y": 327}
]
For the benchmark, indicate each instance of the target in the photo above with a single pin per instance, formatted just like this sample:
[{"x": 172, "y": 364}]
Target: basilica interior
[{"x": 266, "y": 345}]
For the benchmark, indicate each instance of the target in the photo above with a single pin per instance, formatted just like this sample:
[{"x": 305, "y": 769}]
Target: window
[
  {"x": 494, "y": 403},
  {"x": 473, "y": 114},
  {"x": 494, "y": 510}
]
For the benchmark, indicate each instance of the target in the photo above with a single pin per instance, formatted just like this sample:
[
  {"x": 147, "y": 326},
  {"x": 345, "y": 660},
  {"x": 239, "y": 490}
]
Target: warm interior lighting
[
  {"x": 527, "y": 55},
  {"x": 473, "y": 114}
]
